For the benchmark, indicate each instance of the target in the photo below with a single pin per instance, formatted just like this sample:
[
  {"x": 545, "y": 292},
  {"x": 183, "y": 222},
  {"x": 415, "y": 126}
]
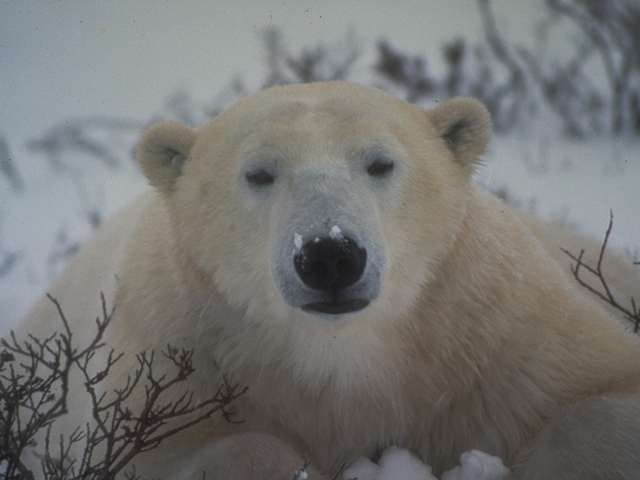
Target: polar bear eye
[
  {"x": 380, "y": 168},
  {"x": 260, "y": 178}
]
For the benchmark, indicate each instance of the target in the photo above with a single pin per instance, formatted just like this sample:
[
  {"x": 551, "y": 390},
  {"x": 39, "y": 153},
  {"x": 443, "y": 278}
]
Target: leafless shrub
[
  {"x": 469, "y": 70},
  {"x": 322, "y": 62},
  {"x": 34, "y": 390},
  {"x": 8, "y": 167},
  {"x": 632, "y": 313},
  {"x": 9, "y": 258},
  {"x": 516, "y": 81},
  {"x": 62, "y": 250},
  {"x": 86, "y": 136},
  {"x": 612, "y": 30},
  {"x": 508, "y": 97},
  {"x": 8, "y": 261},
  {"x": 608, "y": 32},
  {"x": 410, "y": 72}
]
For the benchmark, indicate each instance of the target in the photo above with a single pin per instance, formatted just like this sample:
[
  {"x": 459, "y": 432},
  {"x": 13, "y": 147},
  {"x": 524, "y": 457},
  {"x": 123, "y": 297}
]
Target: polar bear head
[{"x": 326, "y": 202}]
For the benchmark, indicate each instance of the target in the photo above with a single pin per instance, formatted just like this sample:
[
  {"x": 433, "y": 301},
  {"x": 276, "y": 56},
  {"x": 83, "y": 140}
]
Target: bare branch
[
  {"x": 633, "y": 314},
  {"x": 34, "y": 387},
  {"x": 8, "y": 167}
]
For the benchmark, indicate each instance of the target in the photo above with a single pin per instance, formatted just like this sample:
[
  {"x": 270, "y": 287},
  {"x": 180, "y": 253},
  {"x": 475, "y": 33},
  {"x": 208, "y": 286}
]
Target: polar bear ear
[
  {"x": 465, "y": 126},
  {"x": 162, "y": 152}
]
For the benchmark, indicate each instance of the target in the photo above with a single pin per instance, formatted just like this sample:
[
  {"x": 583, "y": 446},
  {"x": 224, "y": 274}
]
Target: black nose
[{"x": 330, "y": 264}]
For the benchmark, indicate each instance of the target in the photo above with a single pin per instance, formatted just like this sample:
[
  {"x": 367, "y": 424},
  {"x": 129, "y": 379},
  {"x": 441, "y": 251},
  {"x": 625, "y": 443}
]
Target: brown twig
[
  {"x": 34, "y": 387},
  {"x": 339, "y": 471},
  {"x": 633, "y": 314}
]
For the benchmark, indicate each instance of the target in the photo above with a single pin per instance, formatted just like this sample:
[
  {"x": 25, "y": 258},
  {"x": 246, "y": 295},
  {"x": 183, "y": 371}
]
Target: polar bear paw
[{"x": 477, "y": 465}]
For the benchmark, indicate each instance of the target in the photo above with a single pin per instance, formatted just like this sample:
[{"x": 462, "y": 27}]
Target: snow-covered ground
[
  {"x": 573, "y": 182},
  {"x": 576, "y": 182},
  {"x": 399, "y": 464}
]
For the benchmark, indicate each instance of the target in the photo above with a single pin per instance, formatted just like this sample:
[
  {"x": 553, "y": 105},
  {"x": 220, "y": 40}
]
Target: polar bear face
[{"x": 332, "y": 202}]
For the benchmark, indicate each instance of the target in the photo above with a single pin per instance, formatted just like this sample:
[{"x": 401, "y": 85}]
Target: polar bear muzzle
[{"x": 328, "y": 254}]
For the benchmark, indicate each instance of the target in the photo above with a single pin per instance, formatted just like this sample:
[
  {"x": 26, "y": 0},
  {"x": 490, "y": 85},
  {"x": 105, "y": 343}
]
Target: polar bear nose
[{"x": 330, "y": 264}]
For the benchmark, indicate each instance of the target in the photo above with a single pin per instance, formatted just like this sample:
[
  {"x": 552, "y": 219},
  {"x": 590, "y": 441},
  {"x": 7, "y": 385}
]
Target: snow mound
[
  {"x": 335, "y": 233},
  {"x": 400, "y": 464},
  {"x": 477, "y": 465}
]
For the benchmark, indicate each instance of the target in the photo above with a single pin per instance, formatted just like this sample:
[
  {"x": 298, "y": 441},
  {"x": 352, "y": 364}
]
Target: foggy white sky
[{"x": 67, "y": 58}]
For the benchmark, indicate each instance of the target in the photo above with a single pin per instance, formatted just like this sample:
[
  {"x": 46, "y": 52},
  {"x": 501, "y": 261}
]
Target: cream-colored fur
[{"x": 477, "y": 339}]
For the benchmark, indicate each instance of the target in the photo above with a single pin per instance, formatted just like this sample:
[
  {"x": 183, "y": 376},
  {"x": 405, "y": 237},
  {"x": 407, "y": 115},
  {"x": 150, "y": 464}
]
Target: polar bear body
[{"x": 447, "y": 327}]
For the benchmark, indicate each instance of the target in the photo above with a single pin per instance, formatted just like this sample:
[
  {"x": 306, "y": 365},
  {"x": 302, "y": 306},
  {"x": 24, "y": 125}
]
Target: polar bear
[{"x": 324, "y": 245}]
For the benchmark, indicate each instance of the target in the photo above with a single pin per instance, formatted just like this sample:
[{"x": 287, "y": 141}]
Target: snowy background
[{"x": 81, "y": 79}]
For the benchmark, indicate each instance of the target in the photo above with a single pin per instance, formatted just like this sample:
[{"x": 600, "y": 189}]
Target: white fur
[{"x": 477, "y": 337}]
